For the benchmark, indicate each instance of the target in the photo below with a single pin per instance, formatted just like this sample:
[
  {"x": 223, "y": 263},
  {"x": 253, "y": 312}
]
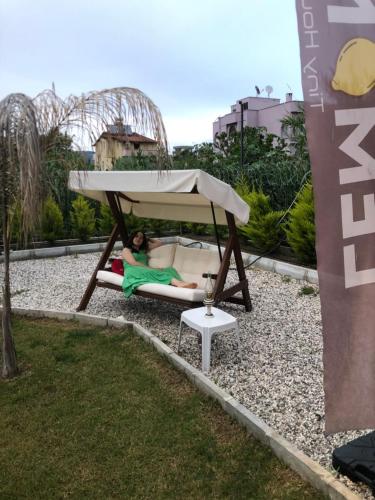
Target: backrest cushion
[
  {"x": 191, "y": 263},
  {"x": 162, "y": 256}
]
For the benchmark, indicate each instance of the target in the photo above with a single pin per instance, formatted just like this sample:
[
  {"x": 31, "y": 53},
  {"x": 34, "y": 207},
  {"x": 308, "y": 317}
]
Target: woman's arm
[
  {"x": 128, "y": 256},
  {"x": 154, "y": 243}
]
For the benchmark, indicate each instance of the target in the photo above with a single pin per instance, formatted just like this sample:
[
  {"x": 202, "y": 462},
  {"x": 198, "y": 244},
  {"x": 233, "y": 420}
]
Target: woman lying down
[{"x": 136, "y": 269}]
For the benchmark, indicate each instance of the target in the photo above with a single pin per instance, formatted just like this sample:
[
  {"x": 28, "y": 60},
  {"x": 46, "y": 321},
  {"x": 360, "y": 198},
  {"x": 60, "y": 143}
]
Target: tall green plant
[
  {"x": 58, "y": 160},
  {"x": 279, "y": 175},
  {"x": 106, "y": 220},
  {"x": 300, "y": 229},
  {"x": 52, "y": 223},
  {"x": 82, "y": 219},
  {"x": 263, "y": 231}
]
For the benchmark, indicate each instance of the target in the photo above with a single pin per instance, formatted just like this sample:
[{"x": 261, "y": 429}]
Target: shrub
[
  {"x": 300, "y": 229},
  {"x": 52, "y": 223},
  {"x": 221, "y": 230},
  {"x": 278, "y": 175},
  {"x": 262, "y": 231},
  {"x": 83, "y": 219},
  {"x": 196, "y": 228},
  {"x": 159, "y": 226},
  {"x": 106, "y": 221},
  {"x": 133, "y": 223}
]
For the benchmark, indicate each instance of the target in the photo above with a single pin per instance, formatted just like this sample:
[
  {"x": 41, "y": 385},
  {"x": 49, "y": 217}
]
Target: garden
[{"x": 280, "y": 377}]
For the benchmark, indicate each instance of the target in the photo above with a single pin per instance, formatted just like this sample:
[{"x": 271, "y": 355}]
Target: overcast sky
[{"x": 192, "y": 58}]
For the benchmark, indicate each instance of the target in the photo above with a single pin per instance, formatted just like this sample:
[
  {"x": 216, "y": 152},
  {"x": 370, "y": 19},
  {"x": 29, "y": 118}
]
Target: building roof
[{"x": 132, "y": 138}]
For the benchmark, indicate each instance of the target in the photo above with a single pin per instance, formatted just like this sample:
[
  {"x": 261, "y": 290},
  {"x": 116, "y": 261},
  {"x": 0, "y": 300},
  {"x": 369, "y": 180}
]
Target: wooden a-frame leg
[
  {"x": 223, "y": 270},
  {"x": 239, "y": 262},
  {"x": 102, "y": 261},
  {"x": 113, "y": 203}
]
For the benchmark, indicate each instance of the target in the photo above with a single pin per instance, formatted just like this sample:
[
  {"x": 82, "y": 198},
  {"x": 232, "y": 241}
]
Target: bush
[
  {"x": 300, "y": 229},
  {"x": 52, "y": 223},
  {"x": 278, "y": 175},
  {"x": 195, "y": 228},
  {"x": 221, "y": 230},
  {"x": 262, "y": 231},
  {"x": 161, "y": 226},
  {"x": 82, "y": 218},
  {"x": 106, "y": 221}
]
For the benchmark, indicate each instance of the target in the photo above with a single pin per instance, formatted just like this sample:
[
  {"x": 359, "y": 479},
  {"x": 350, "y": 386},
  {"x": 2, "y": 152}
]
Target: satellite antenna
[
  {"x": 269, "y": 90},
  {"x": 257, "y": 90}
]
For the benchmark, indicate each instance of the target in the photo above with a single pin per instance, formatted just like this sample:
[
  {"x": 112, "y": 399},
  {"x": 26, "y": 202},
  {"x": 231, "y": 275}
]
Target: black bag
[{"x": 356, "y": 460}]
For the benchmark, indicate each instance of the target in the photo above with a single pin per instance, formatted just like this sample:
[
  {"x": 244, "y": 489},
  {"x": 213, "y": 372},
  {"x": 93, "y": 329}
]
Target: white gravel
[{"x": 281, "y": 376}]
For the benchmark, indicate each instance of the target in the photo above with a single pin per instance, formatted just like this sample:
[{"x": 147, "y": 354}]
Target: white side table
[{"x": 208, "y": 326}]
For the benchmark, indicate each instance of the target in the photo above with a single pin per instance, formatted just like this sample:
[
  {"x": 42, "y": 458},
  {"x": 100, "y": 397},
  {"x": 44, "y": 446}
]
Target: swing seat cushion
[{"x": 190, "y": 263}]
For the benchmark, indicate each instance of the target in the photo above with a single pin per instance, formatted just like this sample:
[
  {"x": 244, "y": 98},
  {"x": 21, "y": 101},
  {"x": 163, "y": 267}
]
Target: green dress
[{"x": 135, "y": 276}]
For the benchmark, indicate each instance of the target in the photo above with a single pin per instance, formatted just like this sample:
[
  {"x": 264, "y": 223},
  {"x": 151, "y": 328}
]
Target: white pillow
[
  {"x": 191, "y": 263},
  {"x": 162, "y": 256}
]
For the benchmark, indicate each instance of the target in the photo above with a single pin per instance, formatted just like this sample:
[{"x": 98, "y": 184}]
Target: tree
[
  {"x": 52, "y": 223},
  {"x": 300, "y": 229},
  {"x": 293, "y": 126},
  {"x": 263, "y": 230},
  {"x": 22, "y": 122},
  {"x": 88, "y": 115},
  {"x": 19, "y": 174},
  {"x": 58, "y": 160},
  {"x": 83, "y": 218}
]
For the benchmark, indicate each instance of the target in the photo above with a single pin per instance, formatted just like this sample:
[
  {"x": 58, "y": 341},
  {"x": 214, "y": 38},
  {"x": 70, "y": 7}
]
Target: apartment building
[{"x": 258, "y": 111}]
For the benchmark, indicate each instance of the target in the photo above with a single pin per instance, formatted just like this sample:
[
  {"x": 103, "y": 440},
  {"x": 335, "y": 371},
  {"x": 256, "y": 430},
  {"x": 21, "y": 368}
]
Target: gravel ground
[{"x": 281, "y": 376}]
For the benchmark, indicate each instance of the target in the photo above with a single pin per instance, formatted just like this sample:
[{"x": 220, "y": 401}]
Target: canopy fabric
[{"x": 179, "y": 195}]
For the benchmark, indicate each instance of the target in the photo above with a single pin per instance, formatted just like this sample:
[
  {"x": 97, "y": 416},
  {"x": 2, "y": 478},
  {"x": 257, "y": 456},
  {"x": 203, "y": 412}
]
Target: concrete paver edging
[
  {"x": 311, "y": 471},
  {"x": 47, "y": 253},
  {"x": 279, "y": 267},
  {"x": 266, "y": 264}
]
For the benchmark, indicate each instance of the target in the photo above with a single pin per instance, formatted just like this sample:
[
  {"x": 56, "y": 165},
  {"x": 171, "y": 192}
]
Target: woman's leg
[{"x": 183, "y": 284}]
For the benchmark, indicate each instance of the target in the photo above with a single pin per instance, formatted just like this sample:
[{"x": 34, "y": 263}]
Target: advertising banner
[{"x": 337, "y": 44}]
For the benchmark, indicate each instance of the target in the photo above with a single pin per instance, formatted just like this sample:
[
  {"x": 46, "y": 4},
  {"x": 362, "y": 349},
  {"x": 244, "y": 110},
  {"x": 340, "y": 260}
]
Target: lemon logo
[{"x": 355, "y": 67}]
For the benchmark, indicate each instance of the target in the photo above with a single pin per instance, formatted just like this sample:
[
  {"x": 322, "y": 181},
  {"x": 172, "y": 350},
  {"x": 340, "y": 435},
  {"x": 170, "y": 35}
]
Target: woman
[{"x": 136, "y": 270}]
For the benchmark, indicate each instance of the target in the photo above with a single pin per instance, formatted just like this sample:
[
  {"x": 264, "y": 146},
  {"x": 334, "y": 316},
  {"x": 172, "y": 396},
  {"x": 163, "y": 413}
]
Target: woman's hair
[{"x": 129, "y": 243}]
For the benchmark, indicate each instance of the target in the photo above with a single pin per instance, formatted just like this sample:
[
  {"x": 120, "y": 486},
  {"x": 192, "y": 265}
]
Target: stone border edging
[
  {"x": 276, "y": 266},
  {"x": 46, "y": 253},
  {"x": 307, "y": 468},
  {"x": 266, "y": 264}
]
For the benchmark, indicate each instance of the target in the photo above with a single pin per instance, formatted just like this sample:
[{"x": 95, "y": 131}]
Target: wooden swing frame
[{"x": 219, "y": 294}]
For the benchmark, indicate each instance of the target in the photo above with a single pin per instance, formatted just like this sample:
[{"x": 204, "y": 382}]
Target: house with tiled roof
[{"x": 118, "y": 141}]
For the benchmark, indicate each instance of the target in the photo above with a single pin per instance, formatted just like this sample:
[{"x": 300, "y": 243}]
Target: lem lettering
[
  {"x": 350, "y": 227},
  {"x": 364, "y": 118},
  {"x": 352, "y": 276}
]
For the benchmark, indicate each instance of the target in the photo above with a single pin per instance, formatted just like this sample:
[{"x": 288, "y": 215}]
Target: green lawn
[{"x": 98, "y": 414}]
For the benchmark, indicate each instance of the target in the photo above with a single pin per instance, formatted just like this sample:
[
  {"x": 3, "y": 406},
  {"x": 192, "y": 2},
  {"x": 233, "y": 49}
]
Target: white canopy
[{"x": 180, "y": 195}]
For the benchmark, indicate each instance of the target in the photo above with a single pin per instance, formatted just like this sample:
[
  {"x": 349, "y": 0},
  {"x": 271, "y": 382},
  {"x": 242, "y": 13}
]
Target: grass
[
  {"x": 308, "y": 290},
  {"x": 98, "y": 414}
]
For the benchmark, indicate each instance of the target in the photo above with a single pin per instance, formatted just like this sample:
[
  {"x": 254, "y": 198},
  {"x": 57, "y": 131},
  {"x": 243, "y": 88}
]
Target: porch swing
[{"x": 179, "y": 195}]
